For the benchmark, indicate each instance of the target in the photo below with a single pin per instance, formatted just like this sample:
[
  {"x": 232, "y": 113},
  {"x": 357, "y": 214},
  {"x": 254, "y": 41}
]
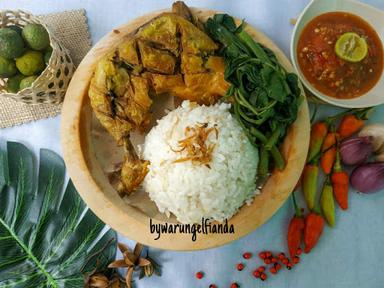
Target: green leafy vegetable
[
  {"x": 265, "y": 97},
  {"x": 47, "y": 234}
]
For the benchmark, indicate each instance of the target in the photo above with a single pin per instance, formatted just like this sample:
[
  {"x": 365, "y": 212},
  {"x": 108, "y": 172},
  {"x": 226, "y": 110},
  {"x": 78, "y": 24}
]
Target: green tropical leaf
[{"x": 47, "y": 233}]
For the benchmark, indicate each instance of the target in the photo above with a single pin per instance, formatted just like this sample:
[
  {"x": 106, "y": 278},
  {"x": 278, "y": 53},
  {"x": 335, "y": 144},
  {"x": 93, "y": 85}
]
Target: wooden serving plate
[{"x": 94, "y": 187}]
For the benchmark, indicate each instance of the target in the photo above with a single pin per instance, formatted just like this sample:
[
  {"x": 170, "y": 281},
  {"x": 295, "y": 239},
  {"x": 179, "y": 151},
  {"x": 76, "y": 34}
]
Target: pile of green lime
[{"x": 24, "y": 54}]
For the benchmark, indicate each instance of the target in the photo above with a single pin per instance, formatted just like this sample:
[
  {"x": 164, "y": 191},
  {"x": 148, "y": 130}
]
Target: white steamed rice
[{"x": 192, "y": 191}]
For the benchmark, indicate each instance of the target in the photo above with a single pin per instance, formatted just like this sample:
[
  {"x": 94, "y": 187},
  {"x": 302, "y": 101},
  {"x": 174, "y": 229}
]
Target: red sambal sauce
[{"x": 327, "y": 72}]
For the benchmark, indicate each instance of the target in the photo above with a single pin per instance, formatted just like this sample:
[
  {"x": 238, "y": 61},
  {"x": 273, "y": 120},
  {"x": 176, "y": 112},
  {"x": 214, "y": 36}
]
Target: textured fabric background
[{"x": 71, "y": 29}]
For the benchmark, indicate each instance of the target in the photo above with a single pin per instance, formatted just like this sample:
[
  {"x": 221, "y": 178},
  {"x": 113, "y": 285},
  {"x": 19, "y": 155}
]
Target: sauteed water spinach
[{"x": 265, "y": 96}]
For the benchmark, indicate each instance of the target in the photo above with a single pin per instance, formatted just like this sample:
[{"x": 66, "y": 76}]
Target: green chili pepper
[
  {"x": 318, "y": 132},
  {"x": 327, "y": 202},
  {"x": 309, "y": 184}
]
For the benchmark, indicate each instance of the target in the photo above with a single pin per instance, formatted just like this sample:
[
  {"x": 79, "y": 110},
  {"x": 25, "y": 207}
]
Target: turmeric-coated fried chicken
[{"x": 170, "y": 54}]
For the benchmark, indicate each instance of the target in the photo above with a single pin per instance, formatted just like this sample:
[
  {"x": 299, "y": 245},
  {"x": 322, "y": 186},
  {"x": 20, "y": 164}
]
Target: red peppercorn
[
  {"x": 263, "y": 276},
  {"x": 277, "y": 266},
  {"x": 296, "y": 259},
  {"x": 247, "y": 255},
  {"x": 268, "y": 254},
  {"x": 256, "y": 274},
  {"x": 274, "y": 260},
  {"x": 281, "y": 256},
  {"x": 235, "y": 285},
  {"x": 285, "y": 261},
  {"x": 261, "y": 269},
  {"x": 240, "y": 266},
  {"x": 299, "y": 251},
  {"x": 262, "y": 255},
  {"x": 212, "y": 286},
  {"x": 199, "y": 275},
  {"x": 289, "y": 266},
  {"x": 267, "y": 261},
  {"x": 273, "y": 270}
]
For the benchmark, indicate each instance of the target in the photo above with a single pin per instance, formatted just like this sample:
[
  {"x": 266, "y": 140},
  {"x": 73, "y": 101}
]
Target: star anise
[
  {"x": 100, "y": 280},
  {"x": 132, "y": 260}
]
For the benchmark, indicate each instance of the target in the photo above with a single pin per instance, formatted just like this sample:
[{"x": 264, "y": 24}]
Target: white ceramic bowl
[{"x": 373, "y": 16}]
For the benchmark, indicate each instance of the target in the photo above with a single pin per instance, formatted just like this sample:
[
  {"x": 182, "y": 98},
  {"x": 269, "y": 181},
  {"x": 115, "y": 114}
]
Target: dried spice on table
[{"x": 134, "y": 261}]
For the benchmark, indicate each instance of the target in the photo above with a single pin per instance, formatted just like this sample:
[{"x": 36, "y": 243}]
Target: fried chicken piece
[
  {"x": 170, "y": 54},
  {"x": 180, "y": 8},
  {"x": 133, "y": 170},
  {"x": 156, "y": 60}
]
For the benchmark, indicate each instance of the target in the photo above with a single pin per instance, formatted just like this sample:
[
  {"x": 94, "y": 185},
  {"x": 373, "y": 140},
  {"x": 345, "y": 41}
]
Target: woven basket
[{"x": 52, "y": 83}]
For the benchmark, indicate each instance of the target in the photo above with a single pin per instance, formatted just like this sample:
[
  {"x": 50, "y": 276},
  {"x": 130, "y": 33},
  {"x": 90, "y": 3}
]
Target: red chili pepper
[
  {"x": 329, "y": 152},
  {"x": 309, "y": 184},
  {"x": 295, "y": 229},
  {"x": 318, "y": 132},
  {"x": 314, "y": 225},
  {"x": 349, "y": 125},
  {"x": 340, "y": 183}
]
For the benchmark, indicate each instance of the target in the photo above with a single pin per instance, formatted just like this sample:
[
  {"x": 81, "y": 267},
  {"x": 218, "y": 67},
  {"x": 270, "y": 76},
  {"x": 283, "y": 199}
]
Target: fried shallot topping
[{"x": 195, "y": 144}]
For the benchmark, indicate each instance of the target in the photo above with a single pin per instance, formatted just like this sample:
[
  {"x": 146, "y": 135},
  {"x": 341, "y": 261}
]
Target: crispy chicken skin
[{"x": 169, "y": 54}]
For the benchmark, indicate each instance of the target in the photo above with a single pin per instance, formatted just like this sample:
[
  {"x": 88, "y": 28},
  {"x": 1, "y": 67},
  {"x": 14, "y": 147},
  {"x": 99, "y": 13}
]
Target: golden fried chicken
[{"x": 170, "y": 54}]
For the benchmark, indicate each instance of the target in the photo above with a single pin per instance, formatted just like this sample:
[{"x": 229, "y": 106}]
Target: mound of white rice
[{"x": 192, "y": 191}]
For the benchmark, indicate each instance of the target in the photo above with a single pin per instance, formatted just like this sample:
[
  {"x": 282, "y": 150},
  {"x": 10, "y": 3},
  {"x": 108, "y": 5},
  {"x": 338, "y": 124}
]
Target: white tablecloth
[{"x": 348, "y": 256}]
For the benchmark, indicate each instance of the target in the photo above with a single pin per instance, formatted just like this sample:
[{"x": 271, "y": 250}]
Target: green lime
[
  {"x": 11, "y": 44},
  {"x": 351, "y": 47},
  {"x": 13, "y": 83},
  {"x": 30, "y": 63},
  {"x": 16, "y": 28},
  {"x": 36, "y": 36},
  {"x": 27, "y": 81},
  {"x": 7, "y": 67},
  {"x": 47, "y": 55}
]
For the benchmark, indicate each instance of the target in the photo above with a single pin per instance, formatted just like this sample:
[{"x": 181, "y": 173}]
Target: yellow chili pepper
[{"x": 327, "y": 203}]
